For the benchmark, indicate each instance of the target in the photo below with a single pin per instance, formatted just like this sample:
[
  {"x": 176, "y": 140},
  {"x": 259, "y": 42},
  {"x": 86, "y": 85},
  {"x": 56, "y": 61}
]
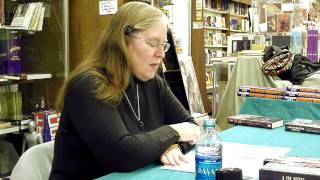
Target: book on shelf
[
  {"x": 24, "y": 76},
  {"x": 35, "y": 76},
  {"x": 303, "y": 125},
  {"x": 255, "y": 121},
  {"x": 27, "y": 16},
  {"x": 9, "y": 77},
  {"x": 290, "y": 168}
]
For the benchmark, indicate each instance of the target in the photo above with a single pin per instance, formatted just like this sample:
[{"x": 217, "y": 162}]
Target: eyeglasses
[{"x": 154, "y": 44}]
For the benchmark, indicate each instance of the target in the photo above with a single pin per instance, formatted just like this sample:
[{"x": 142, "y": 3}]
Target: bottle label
[{"x": 206, "y": 167}]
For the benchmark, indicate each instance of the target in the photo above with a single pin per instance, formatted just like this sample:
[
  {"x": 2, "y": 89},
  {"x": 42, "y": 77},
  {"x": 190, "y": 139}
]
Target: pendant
[{"x": 140, "y": 125}]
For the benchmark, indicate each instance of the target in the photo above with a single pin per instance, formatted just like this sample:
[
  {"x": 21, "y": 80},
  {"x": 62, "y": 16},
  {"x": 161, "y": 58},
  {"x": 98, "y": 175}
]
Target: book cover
[
  {"x": 272, "y": 21},
  {"x": 207, "y": 21},
  {"x": 284, "y": 22},
  {"x": 191, "y": 85},
  {"x": 303, "y": 125},
  {"x": 255, "y": 120},
  {"x": 290, "y": 168}
]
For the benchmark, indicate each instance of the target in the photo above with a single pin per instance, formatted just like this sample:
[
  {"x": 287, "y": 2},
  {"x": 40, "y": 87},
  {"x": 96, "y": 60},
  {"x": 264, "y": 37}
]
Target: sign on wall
[{"x": 108, "y": 7}]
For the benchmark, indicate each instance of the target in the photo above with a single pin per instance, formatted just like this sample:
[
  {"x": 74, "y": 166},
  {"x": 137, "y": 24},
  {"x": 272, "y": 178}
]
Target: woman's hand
[
  {"x": 188, "y": 132},
  {"x": 173, "y": 156}
]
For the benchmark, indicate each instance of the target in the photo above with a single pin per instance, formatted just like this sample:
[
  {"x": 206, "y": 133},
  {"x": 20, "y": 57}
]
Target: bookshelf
[
  {"x": 33, "y": 61},
  {"x": 213, "y": 22}
]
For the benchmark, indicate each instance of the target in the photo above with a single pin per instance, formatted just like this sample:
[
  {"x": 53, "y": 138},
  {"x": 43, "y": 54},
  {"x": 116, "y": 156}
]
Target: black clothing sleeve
[{"x": 95, "y": 138}]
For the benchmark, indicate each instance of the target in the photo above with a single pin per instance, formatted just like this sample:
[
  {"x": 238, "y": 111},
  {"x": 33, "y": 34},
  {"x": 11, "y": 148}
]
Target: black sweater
[{"x": 95, "y": 138}]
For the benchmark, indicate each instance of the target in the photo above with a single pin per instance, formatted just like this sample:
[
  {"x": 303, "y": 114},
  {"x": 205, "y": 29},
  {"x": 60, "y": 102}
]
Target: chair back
[{"x": 35, "y": 163}]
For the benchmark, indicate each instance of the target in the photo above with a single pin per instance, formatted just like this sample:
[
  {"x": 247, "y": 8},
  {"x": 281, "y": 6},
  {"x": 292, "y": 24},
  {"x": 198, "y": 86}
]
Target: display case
[{"x": 33, "y": 59}]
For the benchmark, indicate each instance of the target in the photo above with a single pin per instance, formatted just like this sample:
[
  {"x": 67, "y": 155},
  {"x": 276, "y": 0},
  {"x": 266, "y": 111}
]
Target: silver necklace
[{"x": 138, "y": 117}]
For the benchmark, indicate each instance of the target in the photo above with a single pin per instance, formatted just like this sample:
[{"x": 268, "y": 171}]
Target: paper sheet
[{"x": 249, "y": 158}]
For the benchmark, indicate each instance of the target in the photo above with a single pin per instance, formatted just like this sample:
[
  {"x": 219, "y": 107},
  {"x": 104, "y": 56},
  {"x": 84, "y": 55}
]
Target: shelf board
[
  {"x": 215, "y": 46},
  {"x": 209, "y": 89},
  {"x": 215, "y": 28},
  {"x": 238, "y": 15},
  {"x": 214, "y": 11},
  {"x": 11, "y": 129},
  {"x": 234, "y": 30}
]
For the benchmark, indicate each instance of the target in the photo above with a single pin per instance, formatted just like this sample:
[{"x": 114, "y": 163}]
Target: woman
[{"x": 117, "y": 114}]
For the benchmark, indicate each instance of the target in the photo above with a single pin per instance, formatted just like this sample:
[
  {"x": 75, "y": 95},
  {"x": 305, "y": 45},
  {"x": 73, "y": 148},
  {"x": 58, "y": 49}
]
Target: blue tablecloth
[
  {"x": 284, "y": 109},
  {"x": 302, "y": 144}
]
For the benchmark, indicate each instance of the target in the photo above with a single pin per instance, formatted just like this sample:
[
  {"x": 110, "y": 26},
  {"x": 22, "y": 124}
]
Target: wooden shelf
[
  {"x": 199, "y": 48},
  {"x": 215, "y": 28},
  {"x": 214, "y": 11}
]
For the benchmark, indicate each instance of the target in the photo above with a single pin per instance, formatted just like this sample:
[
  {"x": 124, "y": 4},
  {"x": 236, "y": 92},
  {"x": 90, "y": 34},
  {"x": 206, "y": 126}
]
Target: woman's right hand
[{"x": 188, "y": 132}]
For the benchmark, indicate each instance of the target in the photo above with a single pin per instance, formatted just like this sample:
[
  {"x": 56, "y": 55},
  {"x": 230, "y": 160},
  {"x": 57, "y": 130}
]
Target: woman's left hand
[{"x": 173, "y": 156}]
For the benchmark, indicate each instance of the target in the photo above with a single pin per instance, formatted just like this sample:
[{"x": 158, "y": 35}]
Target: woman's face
[{"x": 145, "y": 59}]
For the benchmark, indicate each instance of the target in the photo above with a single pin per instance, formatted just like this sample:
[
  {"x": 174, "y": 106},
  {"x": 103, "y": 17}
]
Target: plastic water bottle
[{"x": 208, "y": 152}]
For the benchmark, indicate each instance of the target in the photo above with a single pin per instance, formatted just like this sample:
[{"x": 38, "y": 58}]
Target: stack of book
[
  {"x": 291, "y": 93},
  {"x": 303, "y": 94},
  {"x": 303, "y": 125},
  {"x": 290, "y": 168},
  {"x": 255, "y": 120},
  {"x": 261, "y": 92}
]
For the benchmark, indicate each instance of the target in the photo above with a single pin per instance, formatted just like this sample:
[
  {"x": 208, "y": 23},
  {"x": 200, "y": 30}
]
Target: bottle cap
[
  {"x": 229, "y": 174},
  {"x": 209, "y": 123}
]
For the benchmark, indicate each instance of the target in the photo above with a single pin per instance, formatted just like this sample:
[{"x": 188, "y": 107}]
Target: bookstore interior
[{"x": 251, "y": 66}]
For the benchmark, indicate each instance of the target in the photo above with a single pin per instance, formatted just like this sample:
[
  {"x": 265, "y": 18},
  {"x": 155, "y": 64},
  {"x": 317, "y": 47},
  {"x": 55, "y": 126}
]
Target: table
[{"x": 302, "y": 144}]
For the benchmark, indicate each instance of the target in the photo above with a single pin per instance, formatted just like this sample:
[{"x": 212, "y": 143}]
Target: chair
[{"x": 35, "y": 163}]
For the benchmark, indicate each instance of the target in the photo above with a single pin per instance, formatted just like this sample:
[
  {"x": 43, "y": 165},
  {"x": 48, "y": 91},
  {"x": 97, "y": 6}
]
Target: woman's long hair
[{"x": 109, "y": 63}]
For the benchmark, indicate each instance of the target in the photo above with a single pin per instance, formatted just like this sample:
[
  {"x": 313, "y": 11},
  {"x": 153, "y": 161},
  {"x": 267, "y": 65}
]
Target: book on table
[
  {"x": 255, "y": 120},
  {"x": 303, "y": 125},
  {"x": 290, "y": 168}
]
